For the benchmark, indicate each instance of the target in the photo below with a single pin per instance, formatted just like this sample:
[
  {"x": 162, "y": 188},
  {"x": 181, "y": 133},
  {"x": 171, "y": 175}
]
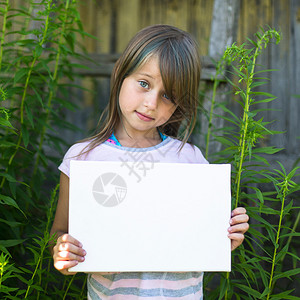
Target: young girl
[{"x": 151, "y": 113}]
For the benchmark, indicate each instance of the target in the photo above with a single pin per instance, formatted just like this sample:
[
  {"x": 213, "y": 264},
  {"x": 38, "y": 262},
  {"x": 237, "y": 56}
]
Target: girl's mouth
[{"x": 144, "y": 117}]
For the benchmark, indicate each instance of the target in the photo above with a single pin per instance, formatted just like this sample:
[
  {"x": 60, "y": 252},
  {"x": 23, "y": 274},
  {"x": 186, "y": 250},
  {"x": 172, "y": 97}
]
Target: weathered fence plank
[
  {"x": 280, "y": 84},
  {"x": 114, "y": 22},
  {"x": 294, "y": 78},
  {"x": 222, "y": 26}
]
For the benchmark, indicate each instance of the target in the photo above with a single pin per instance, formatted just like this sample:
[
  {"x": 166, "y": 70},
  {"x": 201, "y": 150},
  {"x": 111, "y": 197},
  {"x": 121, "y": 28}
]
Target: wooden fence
[{"x": 114, "y": 22}]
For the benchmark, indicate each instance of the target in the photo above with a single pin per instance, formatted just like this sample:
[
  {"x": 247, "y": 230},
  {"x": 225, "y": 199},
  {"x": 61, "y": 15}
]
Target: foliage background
[{"x": 37, "y": 80}]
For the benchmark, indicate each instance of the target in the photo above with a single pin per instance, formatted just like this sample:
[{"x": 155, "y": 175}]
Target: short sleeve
[
  {"x": 199, "y": 156},
  {"x": 74, "y": 153}
]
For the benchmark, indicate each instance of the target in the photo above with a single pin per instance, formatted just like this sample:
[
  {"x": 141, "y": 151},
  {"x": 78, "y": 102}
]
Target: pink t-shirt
[{"x": 141, "y": 285}]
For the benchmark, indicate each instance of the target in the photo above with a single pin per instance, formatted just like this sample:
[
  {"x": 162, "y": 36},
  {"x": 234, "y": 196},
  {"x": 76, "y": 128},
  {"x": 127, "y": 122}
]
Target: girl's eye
[
  {"x": 166, "y": 96},
  {"x": 170, "y": 99},
  {"x": 143, "y": 84}
]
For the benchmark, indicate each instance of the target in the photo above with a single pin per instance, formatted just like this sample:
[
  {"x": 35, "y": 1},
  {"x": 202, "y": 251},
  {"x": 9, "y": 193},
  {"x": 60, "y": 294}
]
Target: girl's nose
[{"x": 151, "y": 100}]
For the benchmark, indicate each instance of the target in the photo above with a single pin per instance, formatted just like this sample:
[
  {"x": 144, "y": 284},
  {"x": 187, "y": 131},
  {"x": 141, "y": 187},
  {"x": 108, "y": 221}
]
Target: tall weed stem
[
  {"x": 5, "y": 12},
  {"x": 53, "y": 89},
  {"x": 245, "y": 122},
  {"x": 43, "y": 243},
  {"x": 37, "y": 54},
  {"x": 68, "y": 287},
  {"x": 284, "y": 189},
  {"x": 213, "y": 100},
  {"x": 3, "y": 263},
  {"x": 19, "y": 52},
  {"x": 31, "y": 59},
  {"x": 220, "y": 67},
  {"x": 246, "y": 59}
]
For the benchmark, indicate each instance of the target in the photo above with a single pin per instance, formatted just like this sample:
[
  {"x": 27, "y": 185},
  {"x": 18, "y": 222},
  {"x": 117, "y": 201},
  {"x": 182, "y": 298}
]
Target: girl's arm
[
  {"x": 238, "y": 226},
  {"x": 68, "y": 251}
]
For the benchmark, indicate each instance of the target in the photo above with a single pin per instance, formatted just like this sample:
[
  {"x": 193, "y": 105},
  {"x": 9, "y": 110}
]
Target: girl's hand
[
  {"x": 67, "y": 253},
  {"x": 238, "y": 226}
]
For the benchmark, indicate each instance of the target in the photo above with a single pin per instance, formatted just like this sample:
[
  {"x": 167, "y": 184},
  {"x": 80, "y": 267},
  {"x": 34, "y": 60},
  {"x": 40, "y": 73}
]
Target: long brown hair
[{"x": 179, "y": 63}]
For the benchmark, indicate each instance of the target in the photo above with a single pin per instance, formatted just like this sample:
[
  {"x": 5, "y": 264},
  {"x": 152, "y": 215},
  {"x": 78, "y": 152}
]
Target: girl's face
[{"x": 143, "y": 102}]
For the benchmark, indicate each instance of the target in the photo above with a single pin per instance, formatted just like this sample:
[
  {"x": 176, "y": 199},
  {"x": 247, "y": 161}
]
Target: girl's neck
[{"x": 142, "y": 140}]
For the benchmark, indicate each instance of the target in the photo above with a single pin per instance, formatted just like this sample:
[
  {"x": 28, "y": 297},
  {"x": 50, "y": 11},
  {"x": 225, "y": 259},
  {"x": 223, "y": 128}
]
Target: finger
[
  {"x": 67, "y": 272},
  {"x": 236, "y": 239},
  {"x": 67, "y": 238},
  {"x": 68, "y": 256},
  {"x": 238, "y": 219},
  {"x": 65, "y": 265},
  {"x": 71, "y": 248},
  {"x": 238, "y": 211},
  {"x": 240, "y": 228}
]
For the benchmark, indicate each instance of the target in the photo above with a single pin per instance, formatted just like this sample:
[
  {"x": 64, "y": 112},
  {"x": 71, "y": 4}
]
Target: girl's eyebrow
[{"x": 145, "y": 74}]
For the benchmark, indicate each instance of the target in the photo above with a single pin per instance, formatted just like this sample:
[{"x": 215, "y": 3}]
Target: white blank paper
[{"x": 174, "y": 218}]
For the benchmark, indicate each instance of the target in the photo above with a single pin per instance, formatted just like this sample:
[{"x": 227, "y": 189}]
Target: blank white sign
[{"x": 166, "y": 217}]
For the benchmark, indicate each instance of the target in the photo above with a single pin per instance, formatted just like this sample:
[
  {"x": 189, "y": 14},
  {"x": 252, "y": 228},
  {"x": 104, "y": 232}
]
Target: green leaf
[
  {"x": 257, "y": 83},
  {"x": 223, "y": 288},
  {"x": 264, "y": 100},
  {"x": 20, "y": 74},
  {"x": 79, "y": 66},
  {"x": 11, "y": 223},
  {"x": 85, "y": 33},
  {"x": 5, "y": 123},
  {"x": 265, "y": 292},
  {"x": 38, "y": 51},
  {"x": 7, "y": 144},
  {"x": 257, "y": 217},
  {"x": 284, "y": 295},
  {"x": 259, "y": 195},
  {"x": 29, "y": 115},
  {"x": 227, "y": 119},
  {"x": 290, "y": 234},
  {"x": 13, "y": 188},
  {"x": 271, "y": 235},
  {"x": 261, "y": 159},
  {"x": 248, "y": 290},
  {"x": 35, "y": 253},
  {"x": 7, "y": 290},
  {"x": 281, "y": 253},
  {"x": 25, "y": 270},
  {"x": 266, "y": 210},
  {"x": 38, "y": 95},
  {"x": 263, "y": 94},
  {"x": 10, "y": 202},
  {"x": 25, "y": 135},
  {"x": 293, "y": 255},
  {"x": 224, "y": 141},
  {"x": 265, "y": 71},
  {"x": 8, "y": 177},
  {"x": 11, "y": 243},
  {"x": 267, "y": 150},
  {"x": 37, "y": 287},
  {"x": 256, "y": 233},
  {"x": 288, "y": 207},
  {"x": 287, "y": 274}
]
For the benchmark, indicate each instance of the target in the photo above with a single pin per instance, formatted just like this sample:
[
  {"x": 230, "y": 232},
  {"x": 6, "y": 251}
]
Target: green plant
[
  {"x": 36, "y": 74},
  {"x": 266, "y": 249},
  {"x": 220, "y": 69},
  {"x": 284, "y": 185},
  {"x": 35, "y": 64}
]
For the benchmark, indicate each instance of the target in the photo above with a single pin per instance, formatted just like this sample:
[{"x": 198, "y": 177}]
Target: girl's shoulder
[
  {"x": 189, "y": 153},
  {"x": 76, "y": 150}
]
